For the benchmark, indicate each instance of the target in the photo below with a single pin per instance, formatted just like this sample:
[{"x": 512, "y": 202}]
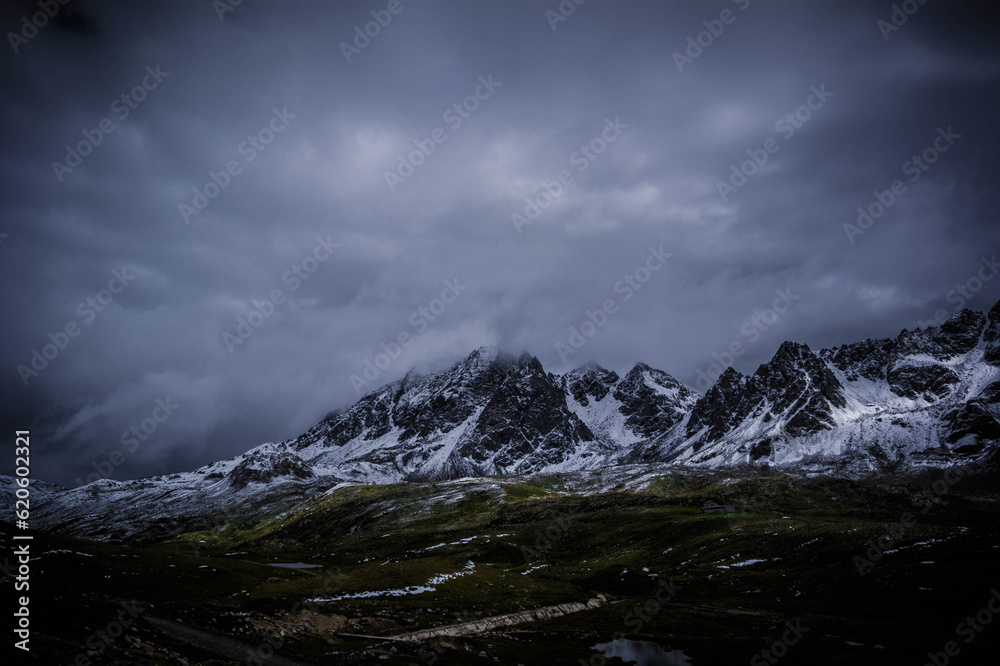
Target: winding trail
[
  {"x": 490, "y": 623},
  {"x": 216, "y": 644}
]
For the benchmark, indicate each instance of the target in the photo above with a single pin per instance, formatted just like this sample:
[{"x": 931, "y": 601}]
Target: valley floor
[{"x": 805, "y": 571}]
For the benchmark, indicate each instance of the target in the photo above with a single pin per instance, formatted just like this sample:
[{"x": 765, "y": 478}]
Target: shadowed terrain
[{"x": 369, "y": 565}]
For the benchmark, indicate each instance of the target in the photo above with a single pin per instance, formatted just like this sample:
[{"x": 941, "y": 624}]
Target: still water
[{"x": 642, "y": 653}]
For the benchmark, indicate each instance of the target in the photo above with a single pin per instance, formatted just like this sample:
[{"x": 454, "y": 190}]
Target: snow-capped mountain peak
[{"x": 927, "y": 397}]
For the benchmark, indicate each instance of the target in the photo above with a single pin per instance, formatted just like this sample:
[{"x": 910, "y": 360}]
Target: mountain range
[{"x": 926, "y": 398}]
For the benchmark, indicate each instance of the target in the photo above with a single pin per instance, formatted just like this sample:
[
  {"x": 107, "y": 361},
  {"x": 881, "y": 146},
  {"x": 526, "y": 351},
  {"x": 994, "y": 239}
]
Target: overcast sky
[{"x": 583, "y": 149}]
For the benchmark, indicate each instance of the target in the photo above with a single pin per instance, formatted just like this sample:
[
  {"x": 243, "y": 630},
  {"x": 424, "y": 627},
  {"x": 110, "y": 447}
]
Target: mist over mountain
[{"x": 927, "y": 399}]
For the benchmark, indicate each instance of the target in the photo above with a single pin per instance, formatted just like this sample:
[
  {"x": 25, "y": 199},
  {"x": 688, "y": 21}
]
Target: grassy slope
[{"x": 619, "y": 544}]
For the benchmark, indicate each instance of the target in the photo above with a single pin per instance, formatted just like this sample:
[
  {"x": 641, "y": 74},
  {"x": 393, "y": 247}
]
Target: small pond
[{"x": 642, "y": 653}]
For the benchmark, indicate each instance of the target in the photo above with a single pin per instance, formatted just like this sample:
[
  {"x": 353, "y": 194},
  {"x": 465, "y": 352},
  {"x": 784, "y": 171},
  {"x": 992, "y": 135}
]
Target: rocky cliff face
[
  {"x": 489, "y": 414},
  {"x": 626, "y": 410},
  {"x": 925, "y": 398},
  {"x": 991, "y": 336},
  {"x": 795, "y": 387}
]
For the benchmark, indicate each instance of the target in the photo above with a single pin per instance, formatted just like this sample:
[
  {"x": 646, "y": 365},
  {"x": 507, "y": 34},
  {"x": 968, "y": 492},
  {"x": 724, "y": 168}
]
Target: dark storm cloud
[{"x": 311, "y": 214}]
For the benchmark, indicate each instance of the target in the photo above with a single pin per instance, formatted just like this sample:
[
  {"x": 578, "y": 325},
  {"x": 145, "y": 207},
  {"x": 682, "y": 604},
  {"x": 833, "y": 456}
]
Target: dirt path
[
  {"x": 220, "y": 645},
  {"x": 490, "y": 623}
]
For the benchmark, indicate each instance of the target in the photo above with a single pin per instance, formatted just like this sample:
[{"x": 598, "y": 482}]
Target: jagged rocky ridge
[
  {"x": 493, "y": 414},
  {"x": 925, "y": 398}
]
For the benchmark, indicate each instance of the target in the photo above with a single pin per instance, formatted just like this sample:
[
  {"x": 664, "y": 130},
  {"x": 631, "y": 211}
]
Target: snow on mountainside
[
  {"x": 629, "y": 410},
  {"x": 926, "y": 398},
  {"x": 40, "y": 491},
  {"x": 490, "y": 414}
]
